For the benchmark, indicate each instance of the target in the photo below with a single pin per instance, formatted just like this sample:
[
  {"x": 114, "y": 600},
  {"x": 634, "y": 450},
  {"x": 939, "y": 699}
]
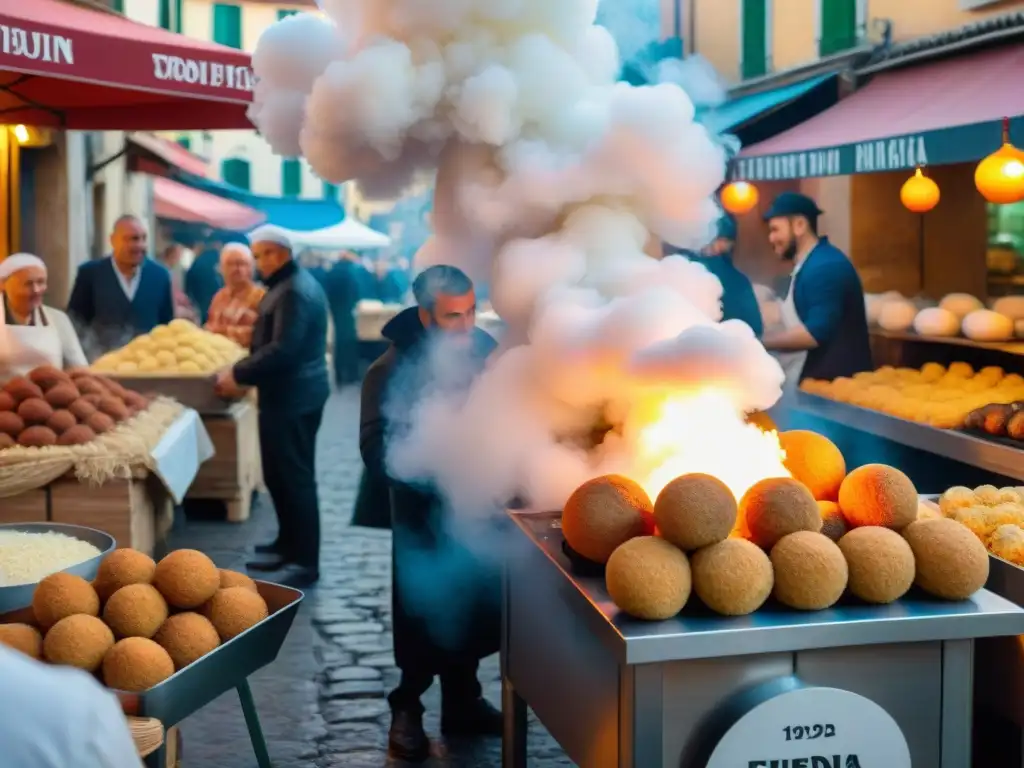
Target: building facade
[
  {"x": 751, "y": 39},
  {"x": 240, "y": 158}
]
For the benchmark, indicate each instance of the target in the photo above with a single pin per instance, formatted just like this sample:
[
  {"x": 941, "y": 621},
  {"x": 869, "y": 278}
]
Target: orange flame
[{"x": 702, "y": 432}]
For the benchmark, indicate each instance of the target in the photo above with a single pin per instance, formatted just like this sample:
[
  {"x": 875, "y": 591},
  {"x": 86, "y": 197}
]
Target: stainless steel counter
[
  {"x": 957, "y": 446},
  {"x": 615, "y": 691}
]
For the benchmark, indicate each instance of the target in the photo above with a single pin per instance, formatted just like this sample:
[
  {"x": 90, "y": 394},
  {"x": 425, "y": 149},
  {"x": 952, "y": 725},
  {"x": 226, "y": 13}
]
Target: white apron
[
  {"x": 792, "y": 362},
  {"x": 41, "y": 337}
]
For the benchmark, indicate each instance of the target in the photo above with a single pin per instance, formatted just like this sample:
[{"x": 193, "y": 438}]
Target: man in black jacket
[
  {"x": 287, "y": 365},
  {"x": 427, "y": 644}
]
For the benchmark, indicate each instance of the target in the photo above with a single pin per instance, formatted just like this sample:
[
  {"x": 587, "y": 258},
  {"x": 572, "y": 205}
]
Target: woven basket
[{"x": 148, "y": 734}]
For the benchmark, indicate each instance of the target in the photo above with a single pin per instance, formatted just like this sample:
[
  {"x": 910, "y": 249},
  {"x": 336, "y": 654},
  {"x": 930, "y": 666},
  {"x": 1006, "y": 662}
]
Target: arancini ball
[
  {"x": 136, "y": 664},
  {"x": 62, "y": 395},
  {"x": 234, "y": 610},
  {"x": 114, "y": 407},
  {"x": 35, "y": 411},
  {"x": 880, "y": 562},
  {"x": 78, "y": 641},
  {"x": 235, "y": 579},
  {"x": 810, "y": 571},
  {"x": 694, "y": 511},
  {"x": 63, "y": 594},
  {"x": 186, "y": 578},
  {"x": 136, "y": 610},
  {"x": 11, "y": 423},
  {"x": 187, "y": 637},
  {"x": 82, "y": 409},
  {"x": 20, "y": 389},
  {"x": 48, "y": 376},
  {"x": 99, "y": 422},
  {"x": 762, "y": 421},
  {"x": 6, "y": 441},
  {"x": 648, "y": 578},
  {"x": 815, "y": 461},
  {"x": 123, "y": 567},
  {"x": 833, "y": 524},
  {"x": 37, "y": 437},
  {"x": 951, "y": 562},
  {"x": 77, "y": 435},
  {"x": 877, "y": 494},
  {"x": 22, "y": 637},
  {"x": 733, "y": 577},
  {"x": 61, "y": 421},
  {"x": 603, "y": 513},
  {"x": 776, "y": 507}
]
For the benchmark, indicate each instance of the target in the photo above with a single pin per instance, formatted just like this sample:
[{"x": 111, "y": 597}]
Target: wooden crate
[
  {"x": 28, "y": 507},
  {"x": 135, "y": 512},
  {"x": 233, "y": 474}
]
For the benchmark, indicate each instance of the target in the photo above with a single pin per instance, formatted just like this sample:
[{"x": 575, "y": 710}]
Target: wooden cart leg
[
  {"x": 513, "y": 745},
  {"x": 252, "y": 721}
]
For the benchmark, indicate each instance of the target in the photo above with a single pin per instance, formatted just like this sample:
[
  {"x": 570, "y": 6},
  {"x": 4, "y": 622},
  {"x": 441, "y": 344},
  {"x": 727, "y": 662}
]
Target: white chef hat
[
  {"x": 268, "y": 233},
  {"x": 236, "y": 247},
  {"x": 19, "y": 261}
]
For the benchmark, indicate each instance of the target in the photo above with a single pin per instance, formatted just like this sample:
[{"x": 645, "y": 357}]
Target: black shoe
[
  {"x": 475, "y": 718},
  {"x": 297, "y": 576},
  {"x": 273, "y": 548},
  {"x": 272, "y": 563},
  {"x": 406, "y": 739}
]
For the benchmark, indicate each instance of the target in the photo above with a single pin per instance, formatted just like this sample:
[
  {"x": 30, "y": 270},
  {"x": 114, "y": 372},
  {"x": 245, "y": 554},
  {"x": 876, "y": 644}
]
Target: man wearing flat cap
[
  {"x": 824, "y": 331},
  {"x": 287, "y": 365}
]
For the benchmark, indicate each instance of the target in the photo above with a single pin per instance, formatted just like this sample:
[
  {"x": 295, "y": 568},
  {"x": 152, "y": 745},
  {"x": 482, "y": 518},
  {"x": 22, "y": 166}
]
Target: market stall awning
[
  {"x": 739, "y": 111},
  {"x": 178, "y": 202},
  {"x": 949, "y": 111},
  {"x": 168, "y": 153},
  {"x": 345, "y": 234},
  {"x": 75, "y": 65}
]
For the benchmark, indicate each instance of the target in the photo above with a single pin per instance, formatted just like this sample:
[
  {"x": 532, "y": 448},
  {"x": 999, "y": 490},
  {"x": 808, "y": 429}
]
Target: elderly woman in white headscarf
[{"x": 34, "y": 334}]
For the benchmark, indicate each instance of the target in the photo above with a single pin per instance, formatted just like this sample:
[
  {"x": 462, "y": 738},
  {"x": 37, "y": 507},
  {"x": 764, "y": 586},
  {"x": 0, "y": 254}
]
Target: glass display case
[{"x": 1005, "y": 253}]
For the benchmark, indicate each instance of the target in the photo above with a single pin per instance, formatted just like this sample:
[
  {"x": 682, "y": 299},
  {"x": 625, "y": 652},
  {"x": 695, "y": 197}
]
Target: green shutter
[
  {"x": 117, "y": 5},
  {"x": 330, "y": 191},
  {"x": 755, "y": 38},
  {"x": 178, "y": 16},
  {"x": 165, "y": 14},
  {"x": 235, "y": 171},
  {"x": 838, "y": 26},
  {"x": 227, "y": 24},
  {"x": 284, "y": 13},
  {"x": 185, "y": 141},
  {"x": 291, "y": 177}
]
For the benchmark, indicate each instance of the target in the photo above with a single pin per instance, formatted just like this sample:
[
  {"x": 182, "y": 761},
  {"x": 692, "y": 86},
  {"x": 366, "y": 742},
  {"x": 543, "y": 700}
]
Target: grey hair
[
  {"x": 124, "y": 219},
  {"x": 437, "y": 280}
]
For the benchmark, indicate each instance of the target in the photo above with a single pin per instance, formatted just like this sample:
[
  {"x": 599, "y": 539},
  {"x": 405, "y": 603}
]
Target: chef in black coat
[{"x": 427, "y": 645}]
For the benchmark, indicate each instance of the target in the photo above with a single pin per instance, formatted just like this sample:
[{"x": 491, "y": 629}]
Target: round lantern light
[
  {"x": 919, "y": 193},
  {"x": 1000, "y": 176},
  {"x": 738, "y": 197}
]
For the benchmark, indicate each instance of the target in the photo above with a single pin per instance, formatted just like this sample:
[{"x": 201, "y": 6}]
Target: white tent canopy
[{"x": 345, "y": 234}]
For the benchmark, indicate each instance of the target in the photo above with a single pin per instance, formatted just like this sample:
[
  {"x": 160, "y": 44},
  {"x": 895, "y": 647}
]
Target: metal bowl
[{"x": 20, "y": 596}]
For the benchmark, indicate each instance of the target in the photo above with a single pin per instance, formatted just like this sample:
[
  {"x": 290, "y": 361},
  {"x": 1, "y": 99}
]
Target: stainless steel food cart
[{"x": 614, "y": 691}]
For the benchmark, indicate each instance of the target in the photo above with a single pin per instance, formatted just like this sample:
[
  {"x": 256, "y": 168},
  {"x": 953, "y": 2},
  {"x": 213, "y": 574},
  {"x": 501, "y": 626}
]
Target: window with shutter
[
  {"x": 754, "y": 62},
  {"x": 330, "y": 191},
  {"x": 838, "y": 26},
  {"x": 235, "y": 171},
  {"x": 291, "y": 177},
  {"x": 117, "y": 5},
  {"x": 227, "y": 24},
  {"x": 185, "y": 141},
  {"x": 178, "y": 20},
  {"x": 284, "y": 13},
  {"x": 165, "y": 19}
]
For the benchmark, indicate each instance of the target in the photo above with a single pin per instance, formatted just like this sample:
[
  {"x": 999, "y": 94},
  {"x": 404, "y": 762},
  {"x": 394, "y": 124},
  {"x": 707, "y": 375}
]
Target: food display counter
[
  {"x": 888, "y": 435},
  {"x": 853, "y": 685}
]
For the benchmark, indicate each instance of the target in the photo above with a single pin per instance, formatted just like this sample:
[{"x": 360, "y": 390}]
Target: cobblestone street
[{"x": 322, "y": 703}]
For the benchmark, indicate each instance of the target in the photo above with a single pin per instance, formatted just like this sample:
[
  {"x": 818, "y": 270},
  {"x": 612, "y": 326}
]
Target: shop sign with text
[{"x": 904, "y": 152}]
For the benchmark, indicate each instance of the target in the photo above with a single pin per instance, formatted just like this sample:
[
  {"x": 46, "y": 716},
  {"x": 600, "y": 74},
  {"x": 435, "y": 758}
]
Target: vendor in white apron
[
  {"x": 33, "y": 334},
  {"x": 824, "y": 331}
]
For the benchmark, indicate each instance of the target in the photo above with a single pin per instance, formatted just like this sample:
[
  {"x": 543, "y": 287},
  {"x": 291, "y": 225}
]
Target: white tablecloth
[{"x": 176, "y": 458}]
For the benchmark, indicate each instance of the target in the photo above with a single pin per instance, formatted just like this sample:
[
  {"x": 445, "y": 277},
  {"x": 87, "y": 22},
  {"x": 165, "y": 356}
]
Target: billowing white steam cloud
[{"x": 553, "y": 181}]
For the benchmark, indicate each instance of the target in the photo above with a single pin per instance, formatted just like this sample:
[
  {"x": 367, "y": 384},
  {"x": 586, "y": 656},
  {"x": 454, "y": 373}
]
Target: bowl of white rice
[{"x": 29, "y": 552}]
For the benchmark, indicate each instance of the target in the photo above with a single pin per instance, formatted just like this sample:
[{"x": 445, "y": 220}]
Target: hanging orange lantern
[
  {"x": 738, "y": 197},
  {"x": 1000, "y": 176},
  {"x": 919, "y": 193}
]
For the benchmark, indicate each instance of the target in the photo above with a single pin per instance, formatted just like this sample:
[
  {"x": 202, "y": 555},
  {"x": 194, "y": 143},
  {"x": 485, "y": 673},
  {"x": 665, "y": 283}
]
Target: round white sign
[{"x": 813, "y": 728}]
